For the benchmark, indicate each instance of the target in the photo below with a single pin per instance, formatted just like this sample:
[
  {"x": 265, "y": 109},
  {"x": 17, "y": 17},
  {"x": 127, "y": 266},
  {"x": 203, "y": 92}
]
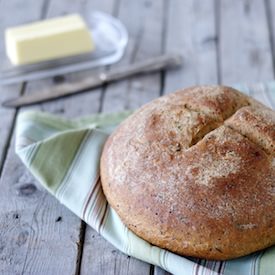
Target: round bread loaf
[{"x": 194, "y": 172}]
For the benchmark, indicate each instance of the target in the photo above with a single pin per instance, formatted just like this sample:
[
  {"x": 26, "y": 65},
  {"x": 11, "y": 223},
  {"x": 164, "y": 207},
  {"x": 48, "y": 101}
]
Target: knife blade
[{"x": 61, "y": 90}]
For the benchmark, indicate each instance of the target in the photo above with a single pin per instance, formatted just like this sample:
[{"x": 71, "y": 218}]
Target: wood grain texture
[
  {"x": 221, "y": 41},
  {"x": 21, "y": 13},
  {"x": 34, "y": 240},
  {"x": 84, "y": 104},
  {"x": 244, "y": 45},
  {"x": 145, "y": 41},
  {"x": 48, "y": 234},
  {"x": 13, "y": 233},
  {"x": 151, "y": 65},
  {"x": 99, "y": 257},
  {"x": 159, "y": 271},
  {"x": 191, "y": 31},
  {"x": 7, "y": 120},
  {"x": 270, "y": 10}
]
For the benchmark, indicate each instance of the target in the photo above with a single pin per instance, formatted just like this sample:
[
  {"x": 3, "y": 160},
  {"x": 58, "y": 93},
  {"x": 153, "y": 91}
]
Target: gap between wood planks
[
  {"x": 268, "y": 11},
  {"x": 217, "y": 9},
  {"x": 107, "y": 90},
  {"x": 8, "y": 142},
  {"x": 163, "y": 78},
  {"x": 165, "y": 20},
  {"x": 22, "y": 90},
  {"x": 83, "y": 225}
]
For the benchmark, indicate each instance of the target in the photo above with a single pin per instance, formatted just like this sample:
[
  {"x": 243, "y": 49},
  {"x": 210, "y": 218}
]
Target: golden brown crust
[{"x": 194, "y": 172}]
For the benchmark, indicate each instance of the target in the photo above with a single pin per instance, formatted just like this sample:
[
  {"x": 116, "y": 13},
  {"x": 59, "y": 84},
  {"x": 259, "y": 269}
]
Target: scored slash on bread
[{"x": 194, "y": 172}]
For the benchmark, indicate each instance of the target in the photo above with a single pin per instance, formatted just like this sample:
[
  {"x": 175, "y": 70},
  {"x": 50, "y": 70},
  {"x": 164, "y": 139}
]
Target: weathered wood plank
[
  {"x": 12, "y": 13},
  {"x": 99, "y": 257},
  {"x": 87, "y": 104},
  {"x": 191, "y": 31},
  {"x": 159, "y": 271},
  {"x": 17, "y": 192},
  {"x": 33, "y": 238},
  {"x": 28, "y": 218},
  {"x": 270, "y": 11},
  {"x": 244, "y": 48},
  {"x": 145, "y": 41},
  {"x": 40, "y": 235},
  {"x": 7, "y": 120}
]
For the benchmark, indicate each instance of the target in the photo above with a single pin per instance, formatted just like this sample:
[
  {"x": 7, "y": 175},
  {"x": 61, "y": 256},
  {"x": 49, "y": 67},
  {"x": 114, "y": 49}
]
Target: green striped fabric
[{"x": 64, "y": 156}]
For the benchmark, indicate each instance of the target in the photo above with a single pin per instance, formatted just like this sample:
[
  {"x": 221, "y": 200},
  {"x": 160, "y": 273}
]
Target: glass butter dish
[{"x": 110, "y": 38}]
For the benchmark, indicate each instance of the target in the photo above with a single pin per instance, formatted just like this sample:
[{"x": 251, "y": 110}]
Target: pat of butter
[{"x": 49, "y": 39}]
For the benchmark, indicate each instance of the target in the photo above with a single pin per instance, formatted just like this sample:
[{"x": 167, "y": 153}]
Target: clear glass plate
[{"x": 110, "y": 38}]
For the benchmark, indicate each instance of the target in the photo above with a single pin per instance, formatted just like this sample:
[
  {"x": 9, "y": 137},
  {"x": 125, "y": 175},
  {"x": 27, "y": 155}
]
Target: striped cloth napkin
[{"x": 64, "y": 156}]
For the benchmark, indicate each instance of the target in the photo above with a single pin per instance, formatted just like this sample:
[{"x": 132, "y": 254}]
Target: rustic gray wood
[
  {"x": 34, "y": 229},
  {"x": 12, "y": 13},
  {"x": 159, "y": 271},
  {"x": 244, "y": 45},
  {"x": 221, "y": 41},
  {"x": 145, "y": 41},
  {"x": 41, "y": 236},
  {"x": 191, "y": 31},
  {"x": 151, "y": 65},
  {"x": 7, "y": 121},
  {"x": 75, "y": 106},
  {"x": 13, "y": 233},
  {"x": 99, "y": 257},
  {"x": 270, "y": 10}
]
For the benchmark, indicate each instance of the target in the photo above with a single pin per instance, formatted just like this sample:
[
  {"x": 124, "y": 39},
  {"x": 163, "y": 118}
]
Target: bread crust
[{"x": 194, "y": 172}]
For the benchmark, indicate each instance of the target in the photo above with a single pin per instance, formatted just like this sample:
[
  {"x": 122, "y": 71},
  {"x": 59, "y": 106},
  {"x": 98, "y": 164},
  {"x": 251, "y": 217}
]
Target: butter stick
[{"x": 48, "y": 39}]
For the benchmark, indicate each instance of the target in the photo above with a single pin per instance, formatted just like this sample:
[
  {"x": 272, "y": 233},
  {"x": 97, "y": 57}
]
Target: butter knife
[{"x": 61, "y": 90}]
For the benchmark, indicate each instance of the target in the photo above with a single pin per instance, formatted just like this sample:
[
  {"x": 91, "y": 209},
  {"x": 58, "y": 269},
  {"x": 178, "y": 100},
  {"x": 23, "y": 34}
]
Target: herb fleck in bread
[{"x": 194, "y": 172}]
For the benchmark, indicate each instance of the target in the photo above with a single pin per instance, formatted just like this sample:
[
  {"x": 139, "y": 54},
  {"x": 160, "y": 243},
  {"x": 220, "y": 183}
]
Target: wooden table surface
[{"x": 225, "y": 42}]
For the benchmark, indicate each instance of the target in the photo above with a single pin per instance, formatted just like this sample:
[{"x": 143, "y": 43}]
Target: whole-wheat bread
[{"x": 194, "y": 172}]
